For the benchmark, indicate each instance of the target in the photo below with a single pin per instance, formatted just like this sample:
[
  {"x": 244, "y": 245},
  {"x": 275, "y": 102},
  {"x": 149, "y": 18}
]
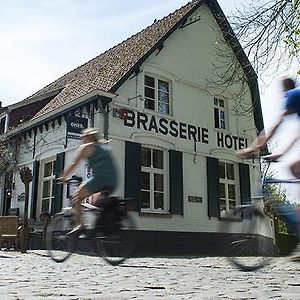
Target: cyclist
[
  {"x": 104, "y": 179},
  {"x": 292, "y": 106}
]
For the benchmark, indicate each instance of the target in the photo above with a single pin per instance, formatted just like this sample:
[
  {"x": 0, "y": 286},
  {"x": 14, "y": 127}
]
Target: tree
[
  {"x": 7, "y": 157},
  {"x": 269, "y": 32}
]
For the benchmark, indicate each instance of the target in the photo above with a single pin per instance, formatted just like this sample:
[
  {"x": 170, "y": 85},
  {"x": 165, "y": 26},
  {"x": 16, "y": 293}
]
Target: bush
[{"x": 286, "y": 243}]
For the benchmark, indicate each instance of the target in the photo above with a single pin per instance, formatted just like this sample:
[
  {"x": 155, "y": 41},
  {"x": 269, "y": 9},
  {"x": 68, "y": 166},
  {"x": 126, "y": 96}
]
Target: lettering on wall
[{"x": 182, "y": 130}]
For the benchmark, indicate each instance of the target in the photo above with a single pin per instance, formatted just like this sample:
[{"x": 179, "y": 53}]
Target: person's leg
[{"x": 81, "y": 193}]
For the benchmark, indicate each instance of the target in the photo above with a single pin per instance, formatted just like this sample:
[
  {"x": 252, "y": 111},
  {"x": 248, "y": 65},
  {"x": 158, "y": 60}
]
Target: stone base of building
[{"x": 171, "y": 243}]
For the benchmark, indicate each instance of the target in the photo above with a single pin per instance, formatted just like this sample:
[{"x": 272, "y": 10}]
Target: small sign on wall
[{"x": 195, "y": 199}]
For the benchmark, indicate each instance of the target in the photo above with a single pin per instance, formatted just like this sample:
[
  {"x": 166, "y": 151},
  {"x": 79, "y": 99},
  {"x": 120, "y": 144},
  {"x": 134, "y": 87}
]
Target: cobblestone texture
[{"x": 36, "y": 276}]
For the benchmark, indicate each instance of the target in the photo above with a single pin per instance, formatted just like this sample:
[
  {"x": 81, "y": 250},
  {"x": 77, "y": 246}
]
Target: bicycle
[
  {"x": 250, "y": 249},
  {"x": 110, "y": 226}
]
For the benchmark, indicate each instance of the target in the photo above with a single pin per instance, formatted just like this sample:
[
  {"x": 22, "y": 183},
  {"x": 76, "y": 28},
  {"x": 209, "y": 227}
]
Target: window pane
[
  {"x": 232, "y": 204},
  {"x": 45, "y": 205},
  {"x": 221, "y": 102},
  {"x": 149, "y": 93},
  {"x": 230, "y": 171},
  {"x": 158, "y": 159},
  {"x": 150, "y": 104},
  {"x": 222, "y": 190},
  {"x": 163, "y": 107},
  {"x": 222, "y": 204},
  {"x": 163, "y": 86},
  {"x": 145, "y": 199},
  {"x": 221, "y": 169},
  {"x": 146, "y": 157},
  {"x": 222, "y": 124},
  {"x": 145, "y": 181},
  {"x": 216, "y": 102},
  {"x": 149, "y": 81},
  {"x": 231, "y": 191},
  {"x": 222, "y": 115},
  {"x": 53, "y": 187},
  {"x": 163, "y": 97},
  {"x": 158, "y": 201},
  {"x": 48, "y": 169},
  {"x": 159, "y": 182},
  {"x": 46, "y": 189}
]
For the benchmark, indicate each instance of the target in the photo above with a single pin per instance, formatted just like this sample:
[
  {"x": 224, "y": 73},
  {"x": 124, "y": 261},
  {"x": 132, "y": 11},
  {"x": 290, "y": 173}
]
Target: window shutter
[
  {"x": 176, "y": 182},
  {"x": 57, "y": 203},
  {"x": 244, "y": 183},
  {"x": 35, "y": 186},
  {"x": 133, "y": 172},
  {"x": 212, "y": 165}
]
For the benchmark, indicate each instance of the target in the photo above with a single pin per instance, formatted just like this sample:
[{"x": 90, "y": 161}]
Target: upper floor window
[
  {"x": 157, "y": 94},
  {"x": 153, "y": 187},
  {"x": 220, "y": 113},
  {"x": 2, "y": 125}
]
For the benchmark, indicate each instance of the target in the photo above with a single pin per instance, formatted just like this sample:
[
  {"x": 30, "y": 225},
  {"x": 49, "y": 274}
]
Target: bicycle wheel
[
  {"x": 116, "y": 247},
  {"x": 248, "y": 250},
  {"x": 60, "y": 245}
]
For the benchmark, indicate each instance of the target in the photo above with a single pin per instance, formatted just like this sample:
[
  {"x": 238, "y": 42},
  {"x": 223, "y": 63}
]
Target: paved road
[{"x": 35, "y": 276}]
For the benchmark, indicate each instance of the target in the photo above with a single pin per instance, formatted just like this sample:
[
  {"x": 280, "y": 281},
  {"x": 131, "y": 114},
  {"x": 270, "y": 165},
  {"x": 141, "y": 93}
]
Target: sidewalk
[{"x": 36, "y": 276}]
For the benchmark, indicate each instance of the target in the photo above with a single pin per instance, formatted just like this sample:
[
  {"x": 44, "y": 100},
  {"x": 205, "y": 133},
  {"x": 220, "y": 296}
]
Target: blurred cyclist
[
  {"x": 104, "y": 179},
  {"x": 292, "y": 106}
]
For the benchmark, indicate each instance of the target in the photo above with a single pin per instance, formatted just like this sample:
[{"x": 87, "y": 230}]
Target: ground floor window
[
  {"x": 47, "y": 186},
  {"x": 153, "y": 180},
  {"x": 227, "y": 186}
]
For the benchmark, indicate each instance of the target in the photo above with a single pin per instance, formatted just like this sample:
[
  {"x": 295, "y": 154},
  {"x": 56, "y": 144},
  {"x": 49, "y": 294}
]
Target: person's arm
[
  {"x": 274, "y": 157},
  {"x": 82, "y": 154},
  {"x": 261, "y": 141}
]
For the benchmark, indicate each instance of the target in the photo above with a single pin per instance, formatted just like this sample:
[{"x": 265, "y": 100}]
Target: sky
[{"x": 41, "y": 40}]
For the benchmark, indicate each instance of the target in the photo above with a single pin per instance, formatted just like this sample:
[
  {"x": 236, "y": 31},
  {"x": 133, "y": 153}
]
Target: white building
[{"x": 174, "y": 133}]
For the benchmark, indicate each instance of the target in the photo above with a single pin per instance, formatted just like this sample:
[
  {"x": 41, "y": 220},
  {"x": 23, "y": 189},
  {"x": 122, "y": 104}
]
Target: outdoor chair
[{"x": 9, "y": 232}]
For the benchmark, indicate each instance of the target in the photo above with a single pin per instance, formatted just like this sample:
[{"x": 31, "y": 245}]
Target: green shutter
[
  {"x": 244, "y": 183},
  {"x": 212, "y": 165},
  {"x": 57, "y": 203},
  {"x": 35, "y": 186},
  {"x": 133, "y": 172},
  {"x": 176, "y": 182}
]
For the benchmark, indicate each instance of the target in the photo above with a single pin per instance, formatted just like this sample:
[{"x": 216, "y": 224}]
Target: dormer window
[
  {"x": 2, "y": 125},
  {"x": 157, "y": 94}
]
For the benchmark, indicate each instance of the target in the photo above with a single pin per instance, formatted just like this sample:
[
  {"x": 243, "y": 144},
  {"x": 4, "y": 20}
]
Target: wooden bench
[{"x": 9, "y": 231}]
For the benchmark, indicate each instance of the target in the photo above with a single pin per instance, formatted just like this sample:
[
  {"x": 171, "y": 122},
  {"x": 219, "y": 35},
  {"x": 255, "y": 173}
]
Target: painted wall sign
[
  {"x": 166, "y": 127},
  {"x": 182, "y": 130}
]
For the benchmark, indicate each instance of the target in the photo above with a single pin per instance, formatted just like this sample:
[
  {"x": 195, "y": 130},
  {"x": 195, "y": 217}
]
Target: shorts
[{"x": 95, "y": 186}]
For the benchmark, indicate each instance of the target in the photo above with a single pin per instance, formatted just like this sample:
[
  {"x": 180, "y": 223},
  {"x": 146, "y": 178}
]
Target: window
[
  {"x": 227, "y": 186},
  {"x": 2, "y": 125},
  {"x": 153, "y": 180},
  {"x": 48, "y": 185},
  {"x": 220, "y": 113},
  {"x": 157, "y": 94}
]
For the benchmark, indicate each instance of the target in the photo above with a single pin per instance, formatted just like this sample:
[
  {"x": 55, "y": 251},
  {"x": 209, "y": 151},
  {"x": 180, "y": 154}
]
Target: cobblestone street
[{"x": 36, "y": 276}]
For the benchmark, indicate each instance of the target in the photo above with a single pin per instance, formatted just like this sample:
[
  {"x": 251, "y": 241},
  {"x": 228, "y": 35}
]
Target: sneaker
[{"x": 76, "y": 230}]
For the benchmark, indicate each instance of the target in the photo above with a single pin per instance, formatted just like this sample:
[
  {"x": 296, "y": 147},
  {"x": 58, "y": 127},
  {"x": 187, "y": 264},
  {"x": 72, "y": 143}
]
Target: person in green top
[{"x": 104, "y": 179}]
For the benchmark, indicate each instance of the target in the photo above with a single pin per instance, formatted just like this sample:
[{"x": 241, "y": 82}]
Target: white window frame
[
  {"x": 221, "y": 106},
  {"x": 50, "y": 178},
  {"x": 156, "y": 93},
  {"x": 151, "y": 170},
  {"x": 227, "y": 182},
  {"x": 5, "y": 116}
]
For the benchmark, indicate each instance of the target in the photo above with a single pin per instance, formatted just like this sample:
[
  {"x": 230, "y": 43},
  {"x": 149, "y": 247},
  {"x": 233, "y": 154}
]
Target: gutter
[{"x": 61, "y": 111}]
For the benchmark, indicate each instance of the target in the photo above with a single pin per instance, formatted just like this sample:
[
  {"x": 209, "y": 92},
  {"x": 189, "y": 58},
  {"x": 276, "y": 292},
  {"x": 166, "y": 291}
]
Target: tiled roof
[{"x": 105, "y": 71}]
